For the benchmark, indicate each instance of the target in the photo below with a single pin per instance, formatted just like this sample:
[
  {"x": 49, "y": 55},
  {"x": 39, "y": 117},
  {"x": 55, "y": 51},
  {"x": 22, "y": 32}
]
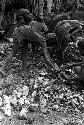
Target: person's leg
[
  {"x": 10, "y": 56},
  {"x": 24, "y": 54}
]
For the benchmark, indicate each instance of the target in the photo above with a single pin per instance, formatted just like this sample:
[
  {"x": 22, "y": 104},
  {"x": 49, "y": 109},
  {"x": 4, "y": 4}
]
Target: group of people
[
  {"x": 28, "y": 30},
  {"x": 32, "y": 30}
]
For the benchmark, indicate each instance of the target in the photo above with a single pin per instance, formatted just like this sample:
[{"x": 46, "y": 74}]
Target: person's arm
[{"x": 48, "y": 58}]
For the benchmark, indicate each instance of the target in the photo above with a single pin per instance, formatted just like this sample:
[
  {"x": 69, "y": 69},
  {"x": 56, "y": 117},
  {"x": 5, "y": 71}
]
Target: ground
[{"x": 39, "y": 96}]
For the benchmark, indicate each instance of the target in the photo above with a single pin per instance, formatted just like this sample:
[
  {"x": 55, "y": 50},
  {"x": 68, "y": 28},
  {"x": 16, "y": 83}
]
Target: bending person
[{"x": 22, "y": 35}]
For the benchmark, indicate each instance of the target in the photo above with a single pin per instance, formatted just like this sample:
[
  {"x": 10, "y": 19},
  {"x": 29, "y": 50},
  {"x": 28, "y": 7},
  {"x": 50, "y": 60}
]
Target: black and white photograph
[{"x": 41, "y": 62}]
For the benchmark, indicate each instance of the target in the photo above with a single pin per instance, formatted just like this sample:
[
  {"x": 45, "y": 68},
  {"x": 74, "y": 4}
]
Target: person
[
  {"x": 79, "y": 70},
  {"x": 65, "y": 32},
  {"x": 52, "y": 20},
  {"x": 22, "y": 35},
  {"x": 23, "y": 15}
]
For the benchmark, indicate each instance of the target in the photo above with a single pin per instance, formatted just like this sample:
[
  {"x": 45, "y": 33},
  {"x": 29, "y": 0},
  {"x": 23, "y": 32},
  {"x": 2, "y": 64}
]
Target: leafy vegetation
[{"x": 41, "y": 96}]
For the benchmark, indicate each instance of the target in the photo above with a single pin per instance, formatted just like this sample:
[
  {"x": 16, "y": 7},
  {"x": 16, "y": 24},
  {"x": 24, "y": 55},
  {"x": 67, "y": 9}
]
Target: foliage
[{"x": 39, "y": 95}]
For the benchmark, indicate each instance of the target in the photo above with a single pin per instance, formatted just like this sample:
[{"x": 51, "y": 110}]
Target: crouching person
[
  {"x": 22, "y": 35},
  {"x": 66, "y": 31},
  {"x": 79, "y": 70}
]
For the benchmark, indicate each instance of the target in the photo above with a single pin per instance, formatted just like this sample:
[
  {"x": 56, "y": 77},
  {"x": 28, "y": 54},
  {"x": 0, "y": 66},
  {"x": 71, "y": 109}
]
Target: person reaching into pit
[{"x": 24, "y": 34}]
